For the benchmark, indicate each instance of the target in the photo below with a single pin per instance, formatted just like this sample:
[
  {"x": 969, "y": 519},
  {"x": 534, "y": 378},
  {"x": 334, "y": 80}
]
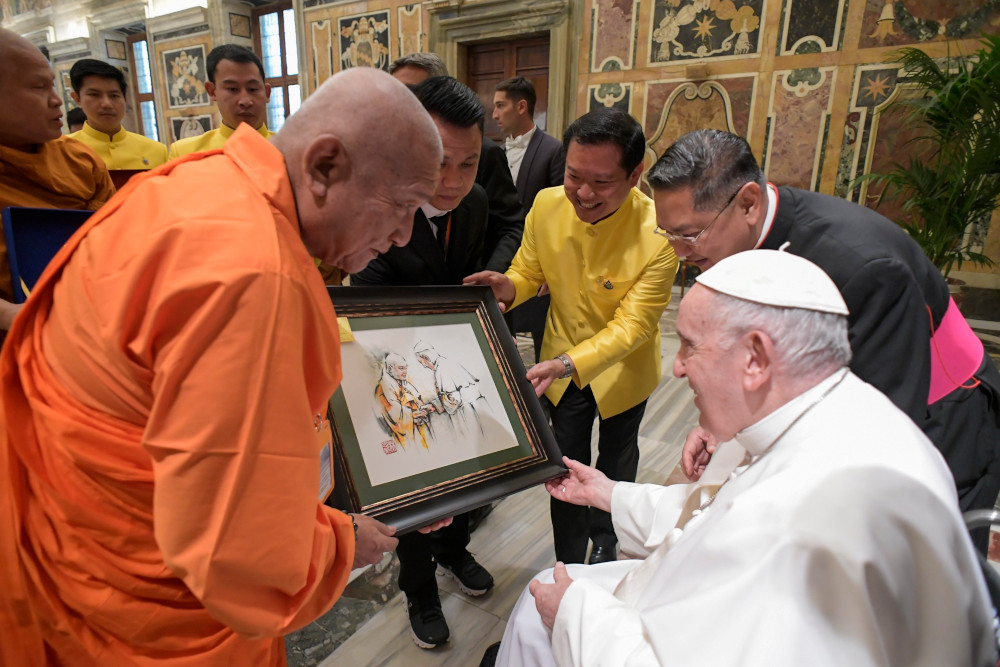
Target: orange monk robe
[
  {"x": 64, "y": 173},
  {"x": 159, "y": 468}
]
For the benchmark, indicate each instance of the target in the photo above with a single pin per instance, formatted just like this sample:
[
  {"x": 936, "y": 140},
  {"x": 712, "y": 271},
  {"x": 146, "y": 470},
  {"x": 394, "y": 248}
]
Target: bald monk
[
  {"x": 159, "y": 468},
  {"x": 38, "y": 166}
]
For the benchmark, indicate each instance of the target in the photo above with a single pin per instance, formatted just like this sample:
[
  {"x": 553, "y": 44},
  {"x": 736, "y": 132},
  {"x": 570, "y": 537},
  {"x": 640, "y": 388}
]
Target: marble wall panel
[
  {"x": 798, "y": 118},
  {"x": 675, "y": 107},
  {"x": 364, "y": 40},
  {"x": 409, "y": 30},
  {"x": 811, "y": 26},
  {"x": 320, "y": 48},
  {"x": 897, "y": 22},
  {"x": 612, "y": 95},
  {"x": 613, "y": 34},
  {"x": 696, "y": 29}
]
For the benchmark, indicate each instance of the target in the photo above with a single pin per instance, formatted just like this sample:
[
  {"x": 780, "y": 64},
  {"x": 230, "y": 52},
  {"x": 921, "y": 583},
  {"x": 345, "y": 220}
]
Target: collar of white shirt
[{"x": 521, "y": 141}]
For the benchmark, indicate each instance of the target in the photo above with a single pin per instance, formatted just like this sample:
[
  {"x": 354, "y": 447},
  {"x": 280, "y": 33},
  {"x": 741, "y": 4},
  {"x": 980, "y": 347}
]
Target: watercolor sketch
[{"x": 421, "y": 398}]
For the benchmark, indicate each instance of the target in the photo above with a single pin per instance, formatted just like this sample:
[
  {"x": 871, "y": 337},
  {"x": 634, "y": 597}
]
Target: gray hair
[
  {"x": 807, "y": 342},
  {"x": 712, "y": 163},
  {"x": 429, "y": 62}
]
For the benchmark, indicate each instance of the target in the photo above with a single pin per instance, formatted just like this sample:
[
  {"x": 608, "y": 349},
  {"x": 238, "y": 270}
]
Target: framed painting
[
  {"x": 190, "y": 126},
  {"x": 434, "y": 416},
  {"x": 239, "y": 25},
  {"x": 115, "y": 49}
]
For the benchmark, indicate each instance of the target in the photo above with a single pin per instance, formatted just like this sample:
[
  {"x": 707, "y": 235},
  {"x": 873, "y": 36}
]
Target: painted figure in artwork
[
  {"x": 457, "y": 390},
  {"x": 403, "y": 416},
  {"x": 366, "y": 47}
]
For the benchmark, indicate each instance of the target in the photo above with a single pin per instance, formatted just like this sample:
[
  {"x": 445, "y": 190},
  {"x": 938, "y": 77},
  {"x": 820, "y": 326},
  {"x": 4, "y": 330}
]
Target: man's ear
[
  {"x": 522, "y": 107},
  {"x": 210, "y": 89},
  {"x": 325, "y": 163},
  {"x": 636, "y": 174},
  {"x": 76, "y": 97},
  {"x": 759, "y": 360}
]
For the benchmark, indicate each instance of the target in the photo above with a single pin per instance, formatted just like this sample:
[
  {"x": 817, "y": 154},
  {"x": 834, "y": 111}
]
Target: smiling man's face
[{"x": 595, "y": 181}]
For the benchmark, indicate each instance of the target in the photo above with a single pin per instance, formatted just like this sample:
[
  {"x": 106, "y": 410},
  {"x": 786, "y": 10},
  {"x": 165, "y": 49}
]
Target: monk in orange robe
[
  {"x": 38, "y": 166},
  {"x": 159, "y": 468}
]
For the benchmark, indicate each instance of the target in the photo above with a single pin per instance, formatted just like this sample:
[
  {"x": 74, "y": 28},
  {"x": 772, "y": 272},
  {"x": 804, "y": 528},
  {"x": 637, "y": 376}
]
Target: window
[
  {"x": 276, "y": 42},
  {"x": 142, "y": 85}
]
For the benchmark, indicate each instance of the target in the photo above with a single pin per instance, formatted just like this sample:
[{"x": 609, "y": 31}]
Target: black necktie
[{"x": 443, "y": 224}]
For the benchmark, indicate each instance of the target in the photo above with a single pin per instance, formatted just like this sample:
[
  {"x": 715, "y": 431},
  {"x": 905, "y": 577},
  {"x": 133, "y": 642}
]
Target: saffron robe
[
  {"x": 63, "y": 173},
  {"x": 159, "y": 467}
]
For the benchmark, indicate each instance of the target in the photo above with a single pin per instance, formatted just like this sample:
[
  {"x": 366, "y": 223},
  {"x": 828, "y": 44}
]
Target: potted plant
[{"x": 950, "y": 177}]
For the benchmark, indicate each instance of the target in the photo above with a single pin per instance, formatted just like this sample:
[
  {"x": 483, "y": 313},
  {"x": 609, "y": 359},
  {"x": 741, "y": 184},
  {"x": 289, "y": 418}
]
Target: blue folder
[{"x": 34, "y": 236}]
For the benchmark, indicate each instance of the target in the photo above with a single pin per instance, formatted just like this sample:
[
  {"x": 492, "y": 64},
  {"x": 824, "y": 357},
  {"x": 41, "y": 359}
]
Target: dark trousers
[
  {"x": 617, "y": 457},
  {"x": 417, "y": 553}
]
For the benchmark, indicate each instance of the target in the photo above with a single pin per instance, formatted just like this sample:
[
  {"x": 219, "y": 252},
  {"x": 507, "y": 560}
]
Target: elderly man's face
[
  {"x": 713, "y": 373},
  {"x": 425, "y": 361},
  {"x": 398, "y": 370},
  {"x": 721, "y": 232},
  {"x": 595, "y": 181},
  {"x": 31, "y": 112}
]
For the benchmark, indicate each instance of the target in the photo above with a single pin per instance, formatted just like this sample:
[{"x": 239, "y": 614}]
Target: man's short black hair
[
  {"x": 75, "y": 116},
  {"x": 234, "y": 52},
  {"x": 609, "y": 126},
  {"x": 518, "y": 89},
  {"x": 90, "y": 67},
  {"x": 452, "y": 101},
  {"x": 712, "y": 163}
]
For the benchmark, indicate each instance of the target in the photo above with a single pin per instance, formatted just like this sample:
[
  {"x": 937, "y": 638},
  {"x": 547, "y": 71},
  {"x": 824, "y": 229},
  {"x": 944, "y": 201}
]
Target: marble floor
[{"x": 369, "y": 625}]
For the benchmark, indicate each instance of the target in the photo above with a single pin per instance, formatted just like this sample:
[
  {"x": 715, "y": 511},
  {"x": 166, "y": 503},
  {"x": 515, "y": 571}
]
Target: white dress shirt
[{"x": 515, "y": 148}]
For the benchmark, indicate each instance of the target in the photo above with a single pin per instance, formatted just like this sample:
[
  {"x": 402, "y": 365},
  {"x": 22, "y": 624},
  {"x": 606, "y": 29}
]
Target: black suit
[
  {"x": 422, "y": 261},
  {"x": 542, "y": 167},
  {"x": 506, "y": 216}
]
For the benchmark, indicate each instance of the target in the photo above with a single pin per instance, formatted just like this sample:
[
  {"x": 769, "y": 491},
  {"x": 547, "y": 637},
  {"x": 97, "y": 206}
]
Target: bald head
[
  {"x": 362, "y": 155},
  {"x": 31, "y": 113}
]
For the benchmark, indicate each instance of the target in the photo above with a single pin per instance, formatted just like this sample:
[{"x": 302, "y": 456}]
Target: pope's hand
[
  {"x": 583, "y": 485},
  {"x": 374, "y": 539},
  {"x": 698, "y": 449},
  {"x": 549, "y": 596}
]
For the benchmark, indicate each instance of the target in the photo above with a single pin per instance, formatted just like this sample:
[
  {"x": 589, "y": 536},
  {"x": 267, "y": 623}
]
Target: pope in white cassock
[{"x": 825, "y": 532}]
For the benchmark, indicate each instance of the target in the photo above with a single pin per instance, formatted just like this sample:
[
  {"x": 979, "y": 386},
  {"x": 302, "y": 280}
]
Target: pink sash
[{"x": 956, "y": 353}]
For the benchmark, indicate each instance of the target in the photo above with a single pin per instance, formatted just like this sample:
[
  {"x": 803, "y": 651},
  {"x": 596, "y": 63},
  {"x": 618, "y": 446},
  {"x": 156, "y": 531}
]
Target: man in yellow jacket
[
  {"x": 99, "y": 89},
  {"x": 236, "y": 85},
  {"x": 593, "y": 243}
]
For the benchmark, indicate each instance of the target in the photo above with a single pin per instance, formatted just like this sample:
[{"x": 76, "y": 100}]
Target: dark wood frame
[
  {"x": 422, "y": 506},
  {"x": 138, "y": 97}
]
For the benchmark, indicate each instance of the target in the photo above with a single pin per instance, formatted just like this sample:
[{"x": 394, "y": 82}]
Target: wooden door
[{"x": 492, "y": 62}]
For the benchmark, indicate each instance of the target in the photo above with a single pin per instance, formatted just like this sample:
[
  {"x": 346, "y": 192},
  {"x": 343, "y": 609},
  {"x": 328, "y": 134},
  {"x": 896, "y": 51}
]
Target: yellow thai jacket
[
  {"x": 211, "y": 140},
  {"x": 125, "y": 150},
  {"x": 610, "y": 282}
]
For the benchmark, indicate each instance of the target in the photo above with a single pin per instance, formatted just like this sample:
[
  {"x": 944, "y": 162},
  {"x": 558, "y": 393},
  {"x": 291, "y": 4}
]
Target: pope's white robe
[{"x": 842, "y": 545}]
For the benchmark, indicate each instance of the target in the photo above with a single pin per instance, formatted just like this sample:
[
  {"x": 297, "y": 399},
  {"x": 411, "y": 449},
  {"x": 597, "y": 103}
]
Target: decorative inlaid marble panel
[
  {"x": 612, "y": 95},
  {"x": 613, "y": 34},
  {"x": 321, "y": 51},
  {"x": 409, "y": 30},
  {"x": 896, "y": 22},
  {"x": 675, "y": 107},
  {"x": 689, "y": 29},
  {"x": 873, "y": 89},
  {"x": 798, "y": 118},
  {"x": 811, "y": 26},
  {"x": 364, "y": 40}
]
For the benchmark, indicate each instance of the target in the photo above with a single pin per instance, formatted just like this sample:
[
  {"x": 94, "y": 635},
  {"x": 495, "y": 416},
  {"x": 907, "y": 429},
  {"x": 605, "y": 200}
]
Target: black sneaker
[
  {"x": 427, "y": 622},
  {"x": 472, "y": 577}
]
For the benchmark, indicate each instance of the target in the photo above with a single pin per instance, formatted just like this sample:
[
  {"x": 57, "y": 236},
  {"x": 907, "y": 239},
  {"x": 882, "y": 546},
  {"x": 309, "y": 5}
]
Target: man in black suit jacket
[
  {"x": 450, "y": 241},
  {"x": 536, "y": 161},
  {"x": 506, "y": 215}
]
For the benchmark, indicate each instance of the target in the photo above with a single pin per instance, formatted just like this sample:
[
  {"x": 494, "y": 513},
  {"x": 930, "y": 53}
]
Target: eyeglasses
[{"x": 692, "y": 241}]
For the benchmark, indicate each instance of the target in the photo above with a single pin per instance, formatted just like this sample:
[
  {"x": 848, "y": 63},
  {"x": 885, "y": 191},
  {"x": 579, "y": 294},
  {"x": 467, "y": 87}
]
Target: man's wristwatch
[{"x": 568, "y": 366}]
